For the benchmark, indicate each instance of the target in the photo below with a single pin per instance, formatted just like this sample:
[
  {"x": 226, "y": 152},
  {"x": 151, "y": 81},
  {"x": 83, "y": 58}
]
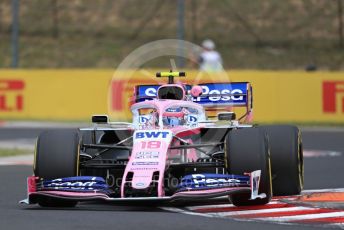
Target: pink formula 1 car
[{"x": 172, "y": 151}]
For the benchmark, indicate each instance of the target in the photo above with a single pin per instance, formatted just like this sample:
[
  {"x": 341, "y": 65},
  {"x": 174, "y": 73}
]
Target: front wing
[{"x": 95, "y": 189}]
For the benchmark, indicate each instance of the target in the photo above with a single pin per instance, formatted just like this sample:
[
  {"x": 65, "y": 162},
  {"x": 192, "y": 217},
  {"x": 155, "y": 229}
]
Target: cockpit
[{"x": 166, "y": 114}]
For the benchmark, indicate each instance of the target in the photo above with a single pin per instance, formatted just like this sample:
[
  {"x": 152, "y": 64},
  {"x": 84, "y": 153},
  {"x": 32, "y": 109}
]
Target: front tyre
[
  {"x": 247, "y": 150},
  {"x": 286, "y": 159},
  {"x": 57, "y": 156}
]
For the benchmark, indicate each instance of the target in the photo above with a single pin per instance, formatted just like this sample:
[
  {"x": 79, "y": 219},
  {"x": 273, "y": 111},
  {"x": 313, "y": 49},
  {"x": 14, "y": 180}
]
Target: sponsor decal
[
  {"x": 142, "y": 176},
  {"x": 213, "y": 181},
  {"x": 191, "y": 119},
  {"x": 144, "y": 119},
  {"x": 151, "y": 91},
  {"x": 202, "y": 180},
  {"x": 220, "y": 89},
  {"x": 333, "y": 96},
  {"x": 208, "y": 90},
  {"x": 140, "y": 184},
  {"x": 11, "y": 95},
  {"x": 145, "y": 163},
  {"x": 151, "y": 134},
  {"x": 255, "y": 178},
  {"x": 78, "y": 183},
  {"x": 136, "y": 168},
  {"x": 147, "y": 155},
  {"x": 58, "y": 183}
]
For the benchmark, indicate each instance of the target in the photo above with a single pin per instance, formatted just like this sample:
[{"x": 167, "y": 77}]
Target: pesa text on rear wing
[{"x": 215, "y": 96}]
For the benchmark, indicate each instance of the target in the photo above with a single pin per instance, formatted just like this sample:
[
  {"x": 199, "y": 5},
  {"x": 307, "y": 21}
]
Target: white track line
[
  {"x": 302, "y": 217},
  {"x": 323, "y": 190},
  {"x": 229, "y": 205},
  {"x": 210, "y": 206},
  {"x": 193, "y": 210},
  {"x": 178, "y": 210},
  {"x": 259, "y": 211}
]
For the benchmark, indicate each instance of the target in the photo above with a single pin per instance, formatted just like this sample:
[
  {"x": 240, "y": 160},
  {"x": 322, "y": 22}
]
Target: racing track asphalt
[{"x": 321, "y": 172}]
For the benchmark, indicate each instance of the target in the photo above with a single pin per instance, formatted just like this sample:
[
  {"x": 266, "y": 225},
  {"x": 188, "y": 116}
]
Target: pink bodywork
[{"x": 143, "y": 163}]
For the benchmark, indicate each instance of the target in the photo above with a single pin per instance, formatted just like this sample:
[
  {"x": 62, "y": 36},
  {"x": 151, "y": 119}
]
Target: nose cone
[{"x": 147, "y": 158}]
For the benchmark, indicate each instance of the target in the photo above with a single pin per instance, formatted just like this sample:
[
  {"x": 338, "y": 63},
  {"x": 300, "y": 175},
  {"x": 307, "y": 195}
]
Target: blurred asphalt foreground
[{"x": 265, "y": 34}]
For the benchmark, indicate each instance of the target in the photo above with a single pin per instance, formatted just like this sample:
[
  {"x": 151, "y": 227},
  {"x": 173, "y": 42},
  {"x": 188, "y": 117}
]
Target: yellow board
[
  {"x": 279, "y": 96},
  {"x": 54, "y": 94}
]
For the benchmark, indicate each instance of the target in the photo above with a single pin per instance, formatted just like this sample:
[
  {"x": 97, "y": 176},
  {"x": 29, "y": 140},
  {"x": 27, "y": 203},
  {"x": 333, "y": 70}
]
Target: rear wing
[{"x": 215, "y": 96}]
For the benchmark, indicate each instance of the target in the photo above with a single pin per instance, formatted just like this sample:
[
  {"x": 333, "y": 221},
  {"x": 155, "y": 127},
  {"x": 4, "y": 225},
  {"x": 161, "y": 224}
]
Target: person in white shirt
[{"x": 210, "y": 60}]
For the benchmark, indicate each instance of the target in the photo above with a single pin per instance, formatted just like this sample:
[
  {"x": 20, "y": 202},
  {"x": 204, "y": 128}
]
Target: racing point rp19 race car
[{"x": 175, "y": 149}]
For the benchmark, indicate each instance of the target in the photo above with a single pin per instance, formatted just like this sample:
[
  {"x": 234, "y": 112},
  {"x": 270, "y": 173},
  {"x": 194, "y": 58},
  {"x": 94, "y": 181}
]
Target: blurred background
[
  {"x": 58, "y": 57},
  {"x": 61, "y": 61},
  {"x": 265, "y": 34}
]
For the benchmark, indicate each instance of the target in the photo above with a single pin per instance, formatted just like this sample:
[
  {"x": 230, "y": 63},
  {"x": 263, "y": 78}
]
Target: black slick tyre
[
  {"x": 247, "y": 150},
  {"x": 57, "y": 156},
  {"x": 286, "y": 159}
]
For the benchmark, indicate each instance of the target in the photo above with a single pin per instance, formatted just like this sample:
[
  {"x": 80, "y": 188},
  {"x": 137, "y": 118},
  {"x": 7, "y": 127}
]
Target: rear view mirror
[
  {"x": 227, "y": 116},
  {"x": 100, "y": 119}
]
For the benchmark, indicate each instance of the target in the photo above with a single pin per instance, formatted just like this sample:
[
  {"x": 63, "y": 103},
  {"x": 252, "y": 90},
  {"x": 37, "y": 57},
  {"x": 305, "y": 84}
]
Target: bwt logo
[
  {"x": 333, "y": 91},
  {"x": 151, "y": 134},
  {"x": 11, "y": 95}
]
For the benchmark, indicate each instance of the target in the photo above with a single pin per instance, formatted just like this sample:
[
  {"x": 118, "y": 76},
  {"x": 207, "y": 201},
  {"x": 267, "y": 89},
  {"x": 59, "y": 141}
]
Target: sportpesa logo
[
  {"x": 207, "y": 90},
  {"x": 201, "y": 180},
  {"x": 72, "y": 184}
]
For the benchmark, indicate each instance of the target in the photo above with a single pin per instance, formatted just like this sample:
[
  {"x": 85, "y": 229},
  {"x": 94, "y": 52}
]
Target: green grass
[
  {"x": 266, "y": 34},
  {"x": 13, "y": 152}
]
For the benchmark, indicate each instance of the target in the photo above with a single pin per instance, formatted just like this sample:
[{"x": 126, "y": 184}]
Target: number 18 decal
[{"x": 150, "y": 144}]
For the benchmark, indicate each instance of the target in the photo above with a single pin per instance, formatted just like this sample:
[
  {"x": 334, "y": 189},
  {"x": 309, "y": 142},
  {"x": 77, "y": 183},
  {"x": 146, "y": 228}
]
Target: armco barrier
[{"x": 279, "y": 96}]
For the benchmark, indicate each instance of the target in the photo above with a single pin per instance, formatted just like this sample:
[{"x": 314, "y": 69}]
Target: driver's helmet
[
  {"x": 172, "y": 121},
  {"x": 154, "y": 118},
  {"x": 173, "y": 117}
]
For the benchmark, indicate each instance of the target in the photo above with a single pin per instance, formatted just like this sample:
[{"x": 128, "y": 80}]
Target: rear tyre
[
  {"x": 286, "y": 159},
  {"x": 57, "y": 156},
  {"x": 247, "y": 150}
]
